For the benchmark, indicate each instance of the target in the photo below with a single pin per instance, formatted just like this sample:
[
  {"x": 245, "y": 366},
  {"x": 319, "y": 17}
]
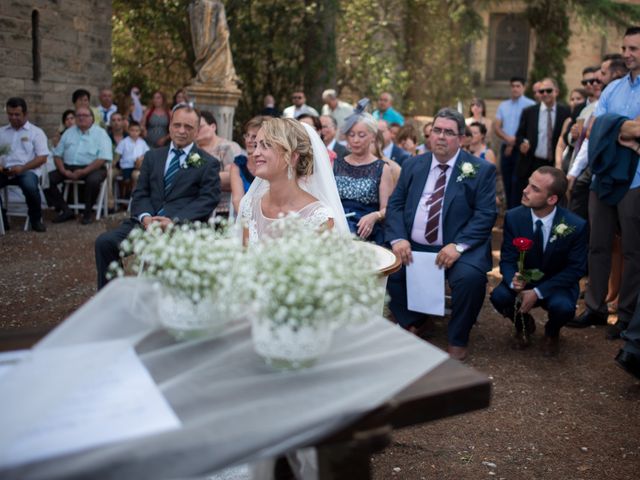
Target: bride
[{"x": 293, "y": 174}]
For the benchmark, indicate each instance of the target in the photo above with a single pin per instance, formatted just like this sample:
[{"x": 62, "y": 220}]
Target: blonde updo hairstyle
[{"x": 290, "y": 137}]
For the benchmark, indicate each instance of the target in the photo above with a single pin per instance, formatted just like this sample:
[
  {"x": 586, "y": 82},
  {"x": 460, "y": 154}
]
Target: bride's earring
[{"x": 290, "y": 172}]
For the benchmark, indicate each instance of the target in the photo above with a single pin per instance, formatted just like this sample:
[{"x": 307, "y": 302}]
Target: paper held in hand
[{"x": 425, "y": 284}]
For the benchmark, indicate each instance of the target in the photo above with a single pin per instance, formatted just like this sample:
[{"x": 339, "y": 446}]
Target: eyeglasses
[
  {"x": 542, "y": 91},
  {"x": 591, "y": 81},
  {"x": 83, "y": 115},
  {"x": 437, "y": 131}
]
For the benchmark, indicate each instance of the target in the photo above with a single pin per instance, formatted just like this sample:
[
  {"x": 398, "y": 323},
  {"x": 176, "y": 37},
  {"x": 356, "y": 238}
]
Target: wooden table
[{"x": 451, "y": 389}]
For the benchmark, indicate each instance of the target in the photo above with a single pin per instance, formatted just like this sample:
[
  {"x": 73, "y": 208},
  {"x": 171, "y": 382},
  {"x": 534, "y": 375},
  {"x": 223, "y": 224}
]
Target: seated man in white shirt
[{"x": 20, "y": 166}]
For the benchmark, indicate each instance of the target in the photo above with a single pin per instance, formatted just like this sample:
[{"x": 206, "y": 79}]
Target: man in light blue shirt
[
  {"x": 386, "y": 111},
  {"x": 621, "y": 97},
  {"x": 506, "y": 126},
  {"x": 81, "y": 154}
]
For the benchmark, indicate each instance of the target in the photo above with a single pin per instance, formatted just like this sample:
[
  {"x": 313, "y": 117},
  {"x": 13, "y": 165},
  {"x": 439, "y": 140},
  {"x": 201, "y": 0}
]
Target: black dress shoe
[
  {"x": 38, "y": 226},
  {"x": 86, "y": 220},
  {"x": 614, "y": 331},
  {"x": 587, "y": 319},
  {"x": 629, "y": 362},
  {"x": 550, "y": 346},
  {"x": 64, "y": 216}
]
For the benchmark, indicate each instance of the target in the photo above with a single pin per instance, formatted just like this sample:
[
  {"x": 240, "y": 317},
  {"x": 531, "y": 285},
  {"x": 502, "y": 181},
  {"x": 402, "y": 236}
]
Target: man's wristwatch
[{"x": 460, "y": 248}]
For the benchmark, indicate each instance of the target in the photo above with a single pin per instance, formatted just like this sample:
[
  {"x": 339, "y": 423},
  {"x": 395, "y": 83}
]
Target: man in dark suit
[
  {"x": 179, "y": 183},
  {"x": 390, "y": 149},
  {"x": 560, "y": 240},
  {"x": 444, "y": 202},
  {"x": 538, "y": 133},
  {"x": 329, "y": 132}
]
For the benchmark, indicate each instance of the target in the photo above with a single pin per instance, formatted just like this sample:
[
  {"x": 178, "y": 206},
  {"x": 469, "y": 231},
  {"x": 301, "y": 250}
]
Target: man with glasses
[
  {"x": 178, "y": 183},
  {"x": 538, "y": 133},
  {"x": 299, "y": 106},
  {"x": 506, "y": 126},
  {"x": 444, "y": 202},
  {"x": 81, "y": 154}
]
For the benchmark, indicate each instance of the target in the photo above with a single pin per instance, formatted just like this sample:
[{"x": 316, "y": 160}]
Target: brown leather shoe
[
  {"x": 458, "y": 353},
  {"x": 550, "y": 346}
]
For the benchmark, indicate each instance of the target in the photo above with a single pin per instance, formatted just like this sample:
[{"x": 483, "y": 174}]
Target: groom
[
  {"x": 444, "y": 202},
  {"x": 179, "y": 183},
  {"x": 559, "y": 250}
]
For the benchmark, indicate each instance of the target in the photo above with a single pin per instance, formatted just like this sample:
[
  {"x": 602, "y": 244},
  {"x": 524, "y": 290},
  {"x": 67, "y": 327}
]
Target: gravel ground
[{"x": 573, "y": 417}]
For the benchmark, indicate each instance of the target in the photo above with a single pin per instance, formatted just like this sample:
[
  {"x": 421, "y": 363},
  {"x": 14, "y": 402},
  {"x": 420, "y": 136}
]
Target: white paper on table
[
  {"x": 425, "y": 284},
  {"x": 62, "y": 400}
]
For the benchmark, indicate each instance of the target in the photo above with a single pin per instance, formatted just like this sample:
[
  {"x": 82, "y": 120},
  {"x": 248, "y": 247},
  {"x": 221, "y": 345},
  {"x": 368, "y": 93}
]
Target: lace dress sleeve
[{"x": 316, "y": 215}]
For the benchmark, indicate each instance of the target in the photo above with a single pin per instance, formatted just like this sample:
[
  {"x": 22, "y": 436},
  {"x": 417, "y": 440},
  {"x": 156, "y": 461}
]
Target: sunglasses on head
[
  {"x": 591, "y": 81},
  {"x": 545, "y": 90}
]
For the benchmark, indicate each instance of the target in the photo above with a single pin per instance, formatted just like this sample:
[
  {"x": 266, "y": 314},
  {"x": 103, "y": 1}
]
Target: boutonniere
[
  {"x": 467, "y": 170},
  {"x": 561, "y": 229},
  {"x": 194, "y": 160}
]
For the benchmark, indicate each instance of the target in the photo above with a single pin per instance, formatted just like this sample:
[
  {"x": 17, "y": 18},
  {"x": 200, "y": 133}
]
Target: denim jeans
[{"x": 29, "y": 184}]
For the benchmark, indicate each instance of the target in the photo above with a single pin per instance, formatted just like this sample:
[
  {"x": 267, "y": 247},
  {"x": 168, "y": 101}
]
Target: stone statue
[{"x": 210, "y": 37}]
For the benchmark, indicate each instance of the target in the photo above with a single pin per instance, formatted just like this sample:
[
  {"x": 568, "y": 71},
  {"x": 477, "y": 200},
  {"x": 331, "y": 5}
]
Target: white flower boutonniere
[
  {"x": 194, "y": 160},
  {"x": 467, "y": 170},
  {"x": 561, "y": 229}
]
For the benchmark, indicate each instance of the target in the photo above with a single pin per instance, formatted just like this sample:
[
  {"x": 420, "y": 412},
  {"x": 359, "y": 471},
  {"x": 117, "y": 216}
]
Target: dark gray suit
[{"x": 194, "y": 194}]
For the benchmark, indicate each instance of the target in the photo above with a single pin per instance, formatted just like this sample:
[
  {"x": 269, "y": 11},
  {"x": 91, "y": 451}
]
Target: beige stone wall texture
[{"x": 75, "y": 52}]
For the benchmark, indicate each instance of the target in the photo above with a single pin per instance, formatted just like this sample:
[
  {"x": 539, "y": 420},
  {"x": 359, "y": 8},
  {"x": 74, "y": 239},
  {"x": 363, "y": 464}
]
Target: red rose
[{"x": 522, "y": 244}]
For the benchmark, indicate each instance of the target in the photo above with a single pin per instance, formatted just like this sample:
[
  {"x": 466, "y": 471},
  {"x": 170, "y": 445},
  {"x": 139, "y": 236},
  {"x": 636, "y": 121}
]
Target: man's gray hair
[
  {"x": 451, "y": 114},
  {"x": 333, "y": 120},
  {"x": 329, "y": 93}
]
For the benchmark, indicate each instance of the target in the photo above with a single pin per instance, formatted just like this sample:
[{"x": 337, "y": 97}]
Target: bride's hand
[{"x": 366, "y": 224}]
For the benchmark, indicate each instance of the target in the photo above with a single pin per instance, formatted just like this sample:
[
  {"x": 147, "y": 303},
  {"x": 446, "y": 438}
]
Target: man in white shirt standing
[
  {"x": 106, "y": 107},
  {"x": 27, "y": 153},
  {"x": 299, "y": 106},
  {"x": 336, "y": 108}
]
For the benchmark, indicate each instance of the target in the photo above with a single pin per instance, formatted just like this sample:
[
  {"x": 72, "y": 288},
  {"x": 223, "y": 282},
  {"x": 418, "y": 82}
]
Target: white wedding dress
[{"x": 321, "y": 185}]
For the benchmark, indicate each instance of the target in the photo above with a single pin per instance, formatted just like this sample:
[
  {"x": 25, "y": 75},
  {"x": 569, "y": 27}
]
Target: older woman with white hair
[{"x": 364, "y": 181}]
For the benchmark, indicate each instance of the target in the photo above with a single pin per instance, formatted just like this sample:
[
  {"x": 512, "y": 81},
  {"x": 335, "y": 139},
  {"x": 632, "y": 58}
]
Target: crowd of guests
[{"x": 566, "y": 175}]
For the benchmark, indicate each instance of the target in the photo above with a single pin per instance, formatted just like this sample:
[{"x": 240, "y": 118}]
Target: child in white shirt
[{"x": 130, "y": 152}]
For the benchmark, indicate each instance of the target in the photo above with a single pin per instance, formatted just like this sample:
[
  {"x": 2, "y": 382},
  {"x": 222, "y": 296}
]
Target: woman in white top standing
[{"x": 293, "y": 174}]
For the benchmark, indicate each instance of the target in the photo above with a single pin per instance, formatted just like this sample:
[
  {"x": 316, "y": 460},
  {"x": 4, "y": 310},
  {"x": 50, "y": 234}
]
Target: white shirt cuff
[
  {"x": 538, "y": 293},
  {"x": 142, "y": 215}
]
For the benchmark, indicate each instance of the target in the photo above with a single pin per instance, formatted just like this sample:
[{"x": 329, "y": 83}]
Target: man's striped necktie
[
  {"x": 172, "y": 171},
  {"x": 435, "y": 206}
]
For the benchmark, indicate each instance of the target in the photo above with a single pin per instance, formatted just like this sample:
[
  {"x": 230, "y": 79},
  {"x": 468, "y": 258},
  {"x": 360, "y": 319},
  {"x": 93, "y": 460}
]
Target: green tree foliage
[
  {"x": 151, "y": 45},
  {"x": 550, "y": 20},
  {"x": 279, "y": 45}
]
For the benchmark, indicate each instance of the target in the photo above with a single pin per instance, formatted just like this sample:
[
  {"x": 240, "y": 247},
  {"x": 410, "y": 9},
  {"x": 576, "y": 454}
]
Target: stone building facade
[
  {"x": 508, "y": 47},
  {"x": 48, "y": 49}
]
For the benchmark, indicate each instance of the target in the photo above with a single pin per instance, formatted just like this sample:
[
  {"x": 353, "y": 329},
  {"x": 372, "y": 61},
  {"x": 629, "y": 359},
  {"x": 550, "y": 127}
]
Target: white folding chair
[
  {"x": 16, "y": 205},
  {"x": 101, "y": 206}
]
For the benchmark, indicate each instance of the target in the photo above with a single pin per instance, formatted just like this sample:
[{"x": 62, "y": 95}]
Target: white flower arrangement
[
  {"x": 467, "y": 170},
  {"x": 560, "y": 230},
  {"x": 302, "y": 277},
  {"x": 196, "y": 260},
  {"x": 194, "y": 160}
]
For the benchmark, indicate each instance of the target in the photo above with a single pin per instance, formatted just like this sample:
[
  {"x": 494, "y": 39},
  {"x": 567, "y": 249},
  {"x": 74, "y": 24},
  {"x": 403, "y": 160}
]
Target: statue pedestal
[{"x": 219, "y": 101}]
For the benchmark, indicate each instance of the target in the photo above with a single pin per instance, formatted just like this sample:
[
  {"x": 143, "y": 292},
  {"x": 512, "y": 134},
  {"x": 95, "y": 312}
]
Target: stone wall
[{"x": 75, "y": 52}]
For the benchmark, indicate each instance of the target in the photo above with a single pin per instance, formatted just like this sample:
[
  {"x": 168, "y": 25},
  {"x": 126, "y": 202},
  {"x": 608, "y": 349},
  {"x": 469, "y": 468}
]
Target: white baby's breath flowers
[
  {"x": 302, "y": 277},
  {"x": 196, "y": 260}
]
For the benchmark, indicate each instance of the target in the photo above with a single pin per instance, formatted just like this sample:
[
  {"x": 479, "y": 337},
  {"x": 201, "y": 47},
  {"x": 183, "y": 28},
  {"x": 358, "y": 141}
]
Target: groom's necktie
[
  {"x": 172, "y": 171},
  {"x": 538, "y": 242},
  {"x": 435, "y": 206}
]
